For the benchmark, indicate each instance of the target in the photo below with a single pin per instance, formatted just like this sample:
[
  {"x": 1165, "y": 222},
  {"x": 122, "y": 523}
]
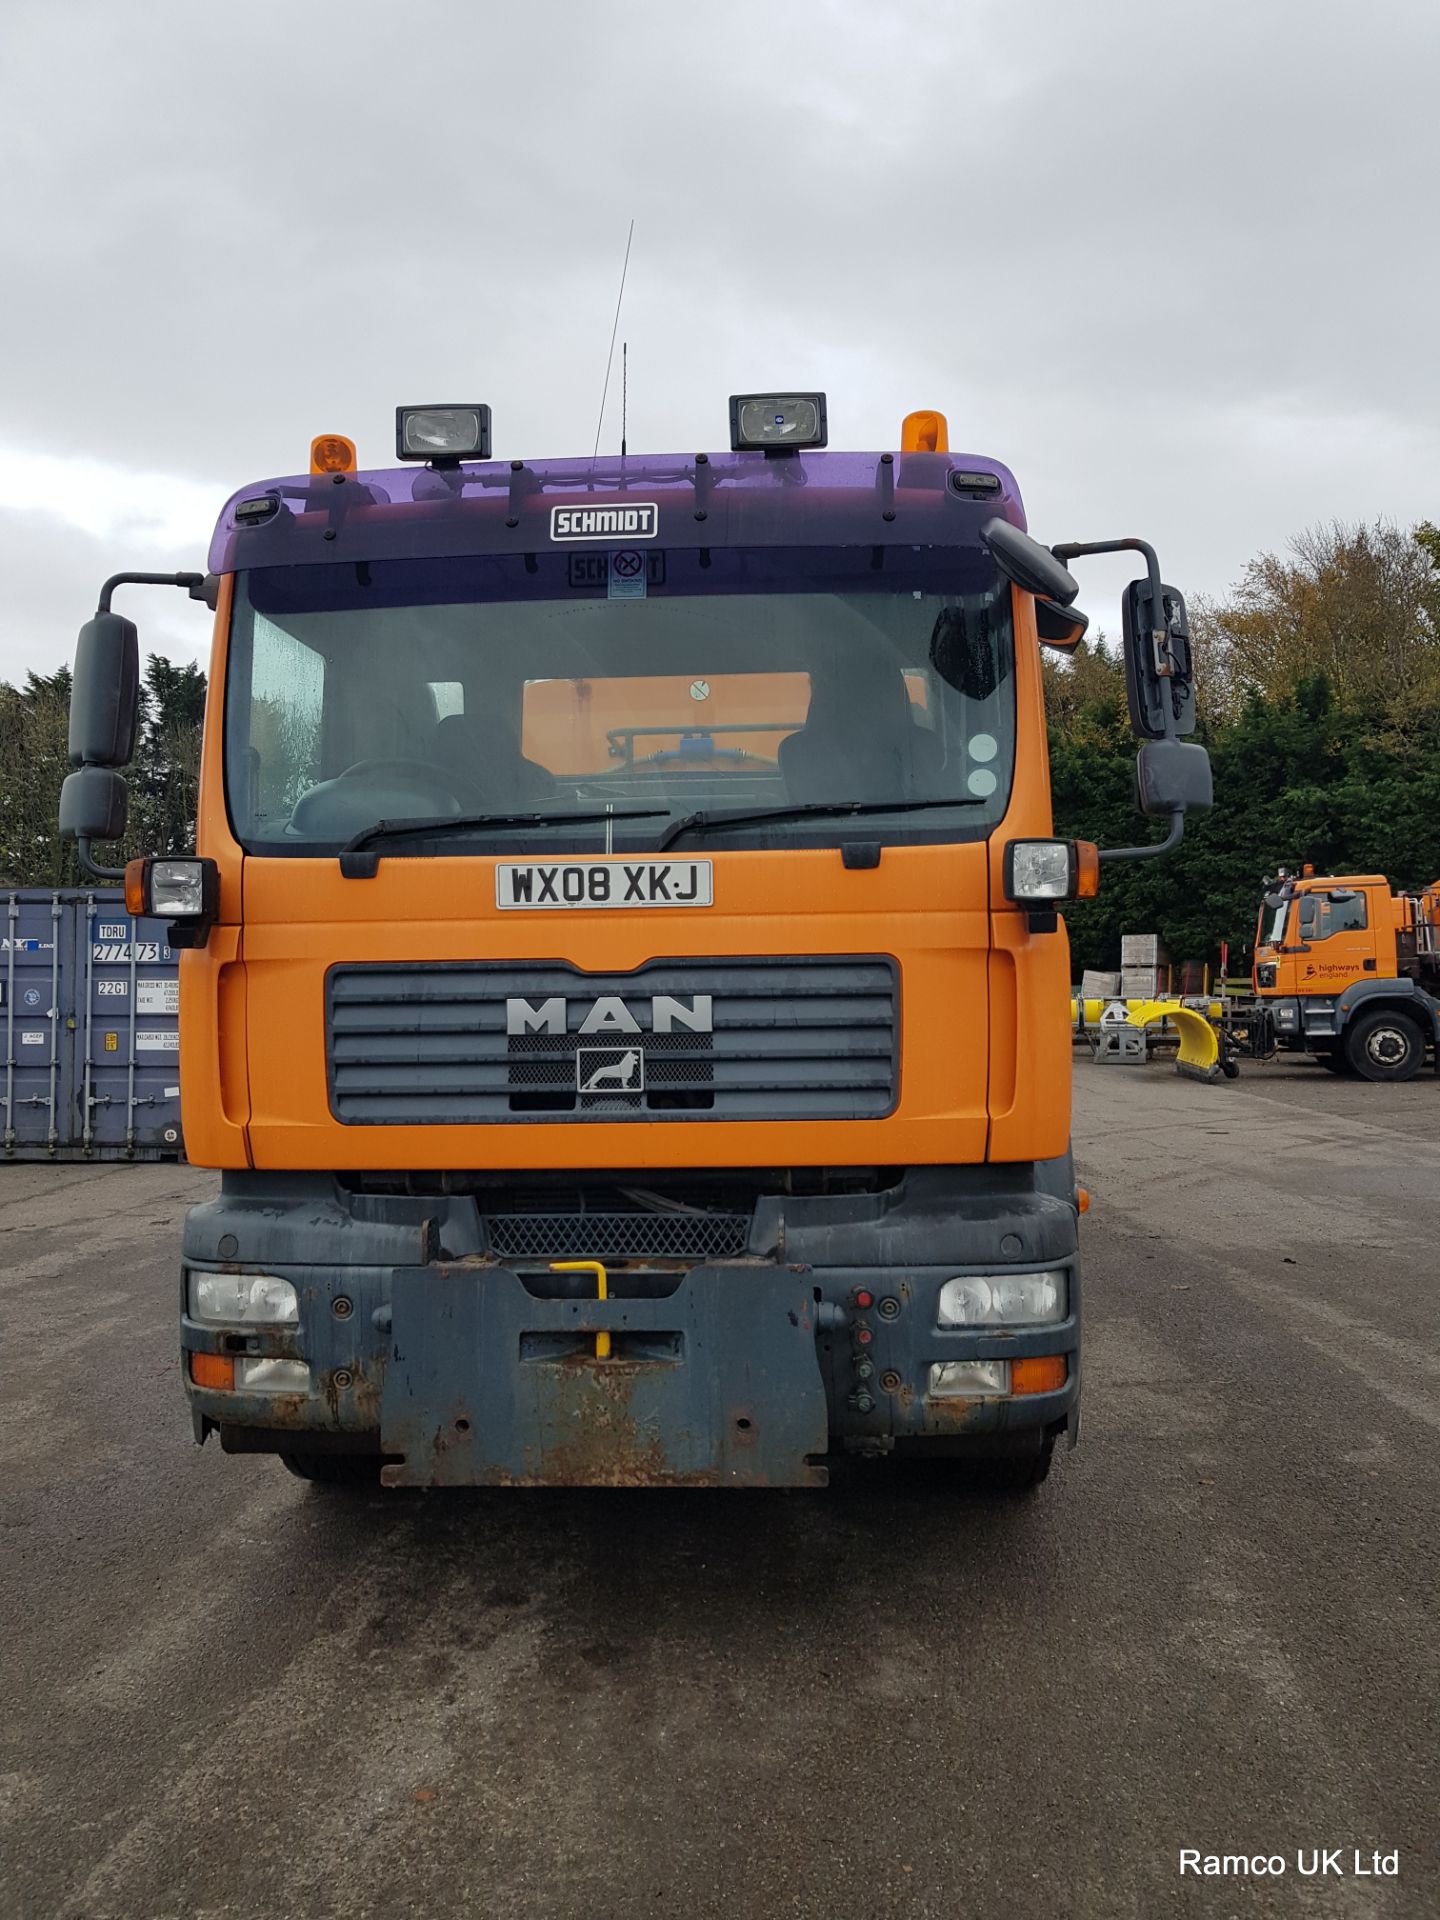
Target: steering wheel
[{"x": 452, "y": 789}]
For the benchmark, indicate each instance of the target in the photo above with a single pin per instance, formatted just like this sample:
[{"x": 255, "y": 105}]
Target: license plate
[{"x": 604, "y": 883}]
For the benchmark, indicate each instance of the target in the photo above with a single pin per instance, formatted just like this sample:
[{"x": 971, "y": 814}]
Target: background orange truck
[
  {"x": 623, "y": 984},
  {"x": 1349, "y": 971}
]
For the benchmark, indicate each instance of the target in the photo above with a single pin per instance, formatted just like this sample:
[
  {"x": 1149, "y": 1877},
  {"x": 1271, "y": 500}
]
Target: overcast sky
[{"x": 1174, "y": 263}]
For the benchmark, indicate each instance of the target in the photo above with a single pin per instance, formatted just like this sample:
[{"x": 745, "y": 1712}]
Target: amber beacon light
[
  {"x": 332, "y": 453},
  {"x": 924, "y": 432}
]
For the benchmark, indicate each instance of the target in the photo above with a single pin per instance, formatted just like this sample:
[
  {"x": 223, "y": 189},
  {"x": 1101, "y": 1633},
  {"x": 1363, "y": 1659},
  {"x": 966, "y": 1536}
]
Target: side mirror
[
  {"x": 1173, "y": 776},
  {"x": 105, "y": 698},
  {"x": 1033, "y": 568},
  {"x": 94, "y": 805},
  {"x": 1157, "y": 662},
  {"x": 1309, "y": 912},
  {"x": 1062, "y": 628}
]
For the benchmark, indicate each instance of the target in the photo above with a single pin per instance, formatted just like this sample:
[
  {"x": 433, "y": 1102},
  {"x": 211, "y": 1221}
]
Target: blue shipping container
[{"x": 89, "y": 1025}]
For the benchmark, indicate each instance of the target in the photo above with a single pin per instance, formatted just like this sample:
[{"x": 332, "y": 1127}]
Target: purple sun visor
[{"x": 678, "y": 500}]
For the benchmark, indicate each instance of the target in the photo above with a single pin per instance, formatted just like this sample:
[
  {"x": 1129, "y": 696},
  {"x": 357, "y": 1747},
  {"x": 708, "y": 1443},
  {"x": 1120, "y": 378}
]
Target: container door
[
  {"x": 127, "y": 1033},
  {"x": 34, "y": 976}
]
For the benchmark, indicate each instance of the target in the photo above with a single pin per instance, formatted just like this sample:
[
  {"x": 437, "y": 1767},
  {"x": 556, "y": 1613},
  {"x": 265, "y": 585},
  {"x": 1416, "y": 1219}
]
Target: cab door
[{"x": 1336, "y": 939}]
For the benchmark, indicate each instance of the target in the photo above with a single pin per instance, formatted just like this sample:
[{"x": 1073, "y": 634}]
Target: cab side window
[{"x": 1338, "y": 916}]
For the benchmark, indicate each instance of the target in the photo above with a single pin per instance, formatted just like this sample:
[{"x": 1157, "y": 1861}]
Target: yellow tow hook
[{"x": 602, "y": 1292}]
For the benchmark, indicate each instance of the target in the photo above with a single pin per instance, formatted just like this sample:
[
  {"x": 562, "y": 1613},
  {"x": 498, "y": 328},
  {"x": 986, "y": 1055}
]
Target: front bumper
[{"x": 466, "y": 1369}]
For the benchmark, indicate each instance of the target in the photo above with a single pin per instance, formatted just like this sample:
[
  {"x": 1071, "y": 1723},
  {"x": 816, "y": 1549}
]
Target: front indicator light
[
  {"x": 243, "y": 1300},
  {"x": 263, "y": 1374},
  {"x": 1044, "y": 1374},
  {"x": 1002, "y": 1300},
  {"x": 212, "y": 1370},
  {"x": 955, "y": 1379}
]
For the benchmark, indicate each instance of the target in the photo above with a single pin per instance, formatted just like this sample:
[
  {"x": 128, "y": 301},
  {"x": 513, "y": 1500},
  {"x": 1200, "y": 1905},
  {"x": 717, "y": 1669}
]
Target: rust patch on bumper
[
  {"x": 599, "y": 1441},
  {"x": 473, "y": 1397}
]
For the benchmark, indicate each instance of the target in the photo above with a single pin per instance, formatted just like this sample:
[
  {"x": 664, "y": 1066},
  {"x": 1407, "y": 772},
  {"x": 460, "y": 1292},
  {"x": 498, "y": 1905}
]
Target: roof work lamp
[
  {"x": 776, "y": 422},
  {"x": 443, "y": 435}
]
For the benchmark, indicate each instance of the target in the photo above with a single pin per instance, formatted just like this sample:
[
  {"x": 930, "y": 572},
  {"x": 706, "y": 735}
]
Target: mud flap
[{"x": 718, "y": 1385}]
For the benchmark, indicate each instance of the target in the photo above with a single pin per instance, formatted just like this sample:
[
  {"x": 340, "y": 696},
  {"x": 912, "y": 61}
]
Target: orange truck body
[
  {"x": 985, "y": 1076},
  {"x": 424, "y": 1262},
  {"x": 1348, "y": 969}
]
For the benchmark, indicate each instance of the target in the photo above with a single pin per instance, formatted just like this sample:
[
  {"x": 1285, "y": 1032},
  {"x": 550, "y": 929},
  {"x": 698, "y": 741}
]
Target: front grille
[
  {"x": 617, "y": 1236},
  {"x": 476, "y": 1043}
]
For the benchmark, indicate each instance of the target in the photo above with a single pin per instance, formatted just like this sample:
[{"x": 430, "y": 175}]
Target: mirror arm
[
  {"x": 82, "y": 847},
  {"x": 1171, "y": 840},
  {"x": 194, "y": 583},
  {"x": 1069, "y": 550}
]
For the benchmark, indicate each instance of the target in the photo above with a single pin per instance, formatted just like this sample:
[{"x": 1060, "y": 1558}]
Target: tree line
[
  {"x": 1319, "y": 702},
  {"x": 34, "y": 759}
]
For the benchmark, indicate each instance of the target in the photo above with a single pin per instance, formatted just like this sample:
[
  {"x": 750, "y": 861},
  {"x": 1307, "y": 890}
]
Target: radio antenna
[
  {"x": 624, "y": 391},
  {"x": 615, "y": 328}
]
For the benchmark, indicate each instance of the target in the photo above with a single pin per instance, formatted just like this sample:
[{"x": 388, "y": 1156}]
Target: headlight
[
  {"x": 264, "y": 1375},
  {"x": 949, "y": 1379},
  {"x": 1003, "y": 1300},
  {"x": 1040, "y": 872},
  {"x": 173, "y": 889},
  {"x": 177, "y": 887},
  {"x": 243, "y": 1299}
]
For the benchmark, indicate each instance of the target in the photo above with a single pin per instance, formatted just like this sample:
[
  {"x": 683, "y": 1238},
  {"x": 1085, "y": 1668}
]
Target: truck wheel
[
  {"x": 334, "y": 1469},
  {"x": 1385, "y": 1046},
  {"x": 1020, "y": 1474}
]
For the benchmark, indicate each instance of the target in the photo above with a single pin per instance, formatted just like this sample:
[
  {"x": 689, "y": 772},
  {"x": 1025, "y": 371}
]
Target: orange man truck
[
  {"x": 1350, "y": 972},
  {"x": 623, "y": 984}
]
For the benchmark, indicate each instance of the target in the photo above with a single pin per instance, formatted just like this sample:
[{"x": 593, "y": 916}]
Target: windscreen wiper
[
  {"x": 743, "y": 816},
  {"x": 448, "y": 823}
]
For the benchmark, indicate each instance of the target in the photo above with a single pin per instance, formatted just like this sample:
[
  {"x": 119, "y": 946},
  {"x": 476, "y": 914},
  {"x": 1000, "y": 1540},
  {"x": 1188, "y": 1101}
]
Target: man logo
[
  {"x": 610, "y": 1014},
  {"x": 609, "y": 1070}
]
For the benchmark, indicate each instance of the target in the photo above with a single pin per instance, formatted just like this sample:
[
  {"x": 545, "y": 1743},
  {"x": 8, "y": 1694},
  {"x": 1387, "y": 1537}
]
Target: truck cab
[
  {"x": 624, "y": 988},
  {"x": 1345, "y": 969}
]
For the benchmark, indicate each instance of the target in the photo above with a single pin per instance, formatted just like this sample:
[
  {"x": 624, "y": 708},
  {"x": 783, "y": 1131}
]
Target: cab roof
[{"x": 789, "y": 499}]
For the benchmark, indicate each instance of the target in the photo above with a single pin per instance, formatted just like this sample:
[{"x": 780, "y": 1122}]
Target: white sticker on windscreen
[{"x": 604, "y": 883}]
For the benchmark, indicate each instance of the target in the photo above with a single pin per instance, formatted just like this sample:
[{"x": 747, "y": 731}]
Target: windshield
[
  {"x": 640, "y": 683},
  {"x": 1272, "y": 923}
]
